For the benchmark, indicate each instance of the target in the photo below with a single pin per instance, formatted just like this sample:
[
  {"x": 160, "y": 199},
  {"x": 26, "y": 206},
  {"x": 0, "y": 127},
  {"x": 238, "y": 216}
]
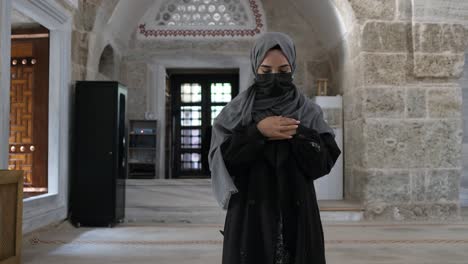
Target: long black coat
[{"x": 273, "y": 175}]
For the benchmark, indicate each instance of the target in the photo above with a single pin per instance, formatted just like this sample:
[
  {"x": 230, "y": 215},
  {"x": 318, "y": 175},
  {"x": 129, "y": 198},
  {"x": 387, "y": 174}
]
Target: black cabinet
[{"x": 97, "y": 194}]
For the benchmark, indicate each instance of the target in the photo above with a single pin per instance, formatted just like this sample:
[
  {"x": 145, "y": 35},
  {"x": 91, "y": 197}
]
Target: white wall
[
  {"x": 5, "y": 46},
  {"x": 51, "y": 207}
]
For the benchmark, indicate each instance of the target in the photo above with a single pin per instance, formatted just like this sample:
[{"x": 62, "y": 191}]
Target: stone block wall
[
  {"x": 134, "y": 76},
  {"x": 408, "y": 129},
  {"x": 464, "y": 86}
]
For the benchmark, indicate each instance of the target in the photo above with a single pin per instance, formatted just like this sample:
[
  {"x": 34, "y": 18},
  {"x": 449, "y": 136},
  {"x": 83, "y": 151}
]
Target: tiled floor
[
  {"x": 357, "y": 242},
  {"x": 179, "y": 223}
]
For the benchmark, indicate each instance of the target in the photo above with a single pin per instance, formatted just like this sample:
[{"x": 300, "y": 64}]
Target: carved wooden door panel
[{"x": 28, "y": 141}]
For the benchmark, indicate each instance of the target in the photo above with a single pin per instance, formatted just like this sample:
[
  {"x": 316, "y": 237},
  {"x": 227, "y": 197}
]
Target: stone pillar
[
  {"x": 5, "y": 51},
  {"x": 411, "y": 114},
  {"x": 137, "y": 76},
  {"x": 464, "y": 179}
]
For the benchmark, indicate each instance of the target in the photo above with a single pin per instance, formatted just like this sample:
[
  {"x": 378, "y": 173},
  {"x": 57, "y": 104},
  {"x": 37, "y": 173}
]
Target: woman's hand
[{"x": 278, "y": 127}]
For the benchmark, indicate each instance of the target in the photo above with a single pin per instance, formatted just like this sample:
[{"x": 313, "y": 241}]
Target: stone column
[{"x": 411, "y": 113}]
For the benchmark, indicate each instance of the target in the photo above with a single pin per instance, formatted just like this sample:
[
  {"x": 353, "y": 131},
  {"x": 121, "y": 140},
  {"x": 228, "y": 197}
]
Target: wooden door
[{"x": 29, "y": 103}]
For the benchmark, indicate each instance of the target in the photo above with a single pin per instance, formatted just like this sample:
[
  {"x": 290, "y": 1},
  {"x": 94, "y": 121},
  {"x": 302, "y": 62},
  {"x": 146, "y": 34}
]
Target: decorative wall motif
[
  {"x": 203, "y": 18},
  {"x": 21, "y": 117}
]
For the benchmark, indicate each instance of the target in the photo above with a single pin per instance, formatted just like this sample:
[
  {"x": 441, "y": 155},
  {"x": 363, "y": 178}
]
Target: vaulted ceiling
[{"x": 324, "y": 17}]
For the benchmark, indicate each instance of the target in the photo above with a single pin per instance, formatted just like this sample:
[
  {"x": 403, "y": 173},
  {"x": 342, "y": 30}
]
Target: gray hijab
[{"x": 244, "y": 109}]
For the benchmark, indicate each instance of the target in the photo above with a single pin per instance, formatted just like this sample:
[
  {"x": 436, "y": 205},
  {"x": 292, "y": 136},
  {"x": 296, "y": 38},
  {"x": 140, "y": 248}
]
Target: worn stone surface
[
  {"x": 404, "y": 9},
  {"x": 357, "y": 183},
  {"x": 437, "y": 38},
  {"x": 351, "y": 81},
  {"x": 351, "y": 101},
  {"x": 452, "y": 11},
  {"x": 86, "y": 15},
  {"x": 412, "y": 140},
  {"x": 353, "y": 42},
  {"x": 78, "y": 73},
  {"x": 352, "y": 159},
  {"x": 387, "y": 143},
  {"x": 442, "y": 185},
  {"x": 413, "y": 144},
  {"x": 444, "y": 102},
  {"x": 357, "y": 106},
  {"x": 80, "y": 41},
  {"x": 384, "y": 68},
  {"x": 137, "y": 90},
  {"x": 418, "y": 185},
  {"x": 438, "y": 65},
  {"x": 387, "y": 186},
  {"x": 374, "y": 9},
  {"x": 443, "y": 142},
  {"x": 384, "y": 102},
  {"x": 416, "y": 102},
  {"x": 412, "y": 211},
  {"x": 386, "y": 37}
]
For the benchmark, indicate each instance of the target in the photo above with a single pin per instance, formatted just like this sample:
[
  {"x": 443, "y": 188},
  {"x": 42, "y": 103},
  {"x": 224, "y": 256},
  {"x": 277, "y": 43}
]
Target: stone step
[
  {"x": 329, "y": 211},
  {"x": 340, "y": 210},
  {"x": 191, "y": 201}
]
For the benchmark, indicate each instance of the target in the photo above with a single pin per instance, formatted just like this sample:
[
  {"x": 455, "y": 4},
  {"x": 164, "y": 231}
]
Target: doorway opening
[
  {"x": 196, "y": 98},
  {"x": 29, "y": 103}
]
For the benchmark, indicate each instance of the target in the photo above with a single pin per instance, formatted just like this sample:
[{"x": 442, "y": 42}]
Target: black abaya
[{"x": 275, "y": 178}]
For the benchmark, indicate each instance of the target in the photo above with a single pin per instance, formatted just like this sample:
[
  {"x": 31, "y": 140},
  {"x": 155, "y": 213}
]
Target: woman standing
[{"x": 268, "y": 146}]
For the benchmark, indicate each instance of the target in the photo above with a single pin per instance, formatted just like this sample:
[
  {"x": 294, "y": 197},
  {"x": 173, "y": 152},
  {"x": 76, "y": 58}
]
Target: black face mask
[{"x": 273, "y": 84}]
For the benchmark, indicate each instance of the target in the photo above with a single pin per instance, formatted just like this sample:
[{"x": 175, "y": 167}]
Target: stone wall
[
  {"x": 134, "y": 75},
  {"x": 408, "y": 126},
  {"x": 464, "y": 180},
  {"x": 464, "y": 86}
]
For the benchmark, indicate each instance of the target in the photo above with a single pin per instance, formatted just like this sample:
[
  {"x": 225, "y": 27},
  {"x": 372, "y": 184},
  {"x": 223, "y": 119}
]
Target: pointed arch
[{"x": 106, "y": 62}]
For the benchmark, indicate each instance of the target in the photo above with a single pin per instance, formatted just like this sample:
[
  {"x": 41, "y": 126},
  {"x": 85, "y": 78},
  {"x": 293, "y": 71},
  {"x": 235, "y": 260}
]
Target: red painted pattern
[
  {"x": 207, "y": 32},
  {"x": 37, "y": 241}
]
